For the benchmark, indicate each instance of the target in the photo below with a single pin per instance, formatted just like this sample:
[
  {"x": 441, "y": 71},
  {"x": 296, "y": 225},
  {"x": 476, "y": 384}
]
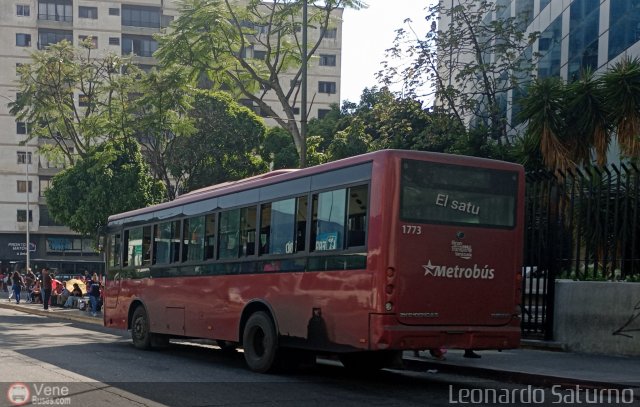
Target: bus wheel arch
[
  {"x": 259, "y": 339},
  {"x": 140, "y": 326}
]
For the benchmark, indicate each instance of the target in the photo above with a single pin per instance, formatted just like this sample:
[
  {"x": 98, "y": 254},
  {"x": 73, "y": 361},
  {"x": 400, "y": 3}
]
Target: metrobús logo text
[{"x": 475, "y": 272}]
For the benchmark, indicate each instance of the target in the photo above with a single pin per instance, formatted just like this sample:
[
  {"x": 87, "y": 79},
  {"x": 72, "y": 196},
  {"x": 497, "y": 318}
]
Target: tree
[
  {"x": 224, "y": 146},
  {"x": 279, "y": 150},
  {"x": 567, "y": 123},
  {"x": 109, "y": 179},
  {"x": 213, "y": 38},
  {"x": 47, "y": 92},
  {"x": 468, "y": 64},
  {"x": 163, "y": 116}
]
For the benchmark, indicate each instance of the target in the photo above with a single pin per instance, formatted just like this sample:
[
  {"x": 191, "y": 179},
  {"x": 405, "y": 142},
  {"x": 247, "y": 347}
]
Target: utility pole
[
  {"x": 303, "y": 112},
  {"x": 26, "y": 162}
]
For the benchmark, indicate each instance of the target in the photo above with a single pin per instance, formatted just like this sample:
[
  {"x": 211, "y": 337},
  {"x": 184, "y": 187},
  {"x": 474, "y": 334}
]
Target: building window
[
  {"x": 327, "y": 60},
  {"x": 44, "y": 185},
  {"x": 24, "y": 157},
  {"x": 138, "y": 45},
  {"x": 326, "y": 87},
  {"x": 94, "y": 40},
  {"x": 88, "y": 12},
  {"x": 139, "y": 16},
  {"x": 22, "y": 187},
  {"x": 331, "y": 33},
  {"x": 48, "y": 37},
  {"x": 23, "y": 10},
  {"x": 83, "y": 100},
  {"x": 21, "y": 128},
  {"x": 262, "y": 55},
  {"x": 114, "y": 41},
  {"x": 583, "y": 37},
  {"x": 296, "y": 110},
  {"x": 144, "y": 47},
  {"x": 114, "y": 11},
  {"x": 624, "y": 25},
  {"x": 56, "y": 10},
  {"x": 322, "y": 113},
  {"x": 22, "y": 215},
  {"x": 23, "y": 40}
]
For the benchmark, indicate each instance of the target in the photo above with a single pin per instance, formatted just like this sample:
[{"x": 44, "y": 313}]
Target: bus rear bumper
[{"x": 387, "y": 333}]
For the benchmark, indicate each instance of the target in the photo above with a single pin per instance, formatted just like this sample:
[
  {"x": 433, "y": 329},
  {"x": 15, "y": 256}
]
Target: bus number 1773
[{"x": 411, "y": 230}]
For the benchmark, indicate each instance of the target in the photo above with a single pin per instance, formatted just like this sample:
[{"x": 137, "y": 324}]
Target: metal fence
[{"x": 580, "y": 224}]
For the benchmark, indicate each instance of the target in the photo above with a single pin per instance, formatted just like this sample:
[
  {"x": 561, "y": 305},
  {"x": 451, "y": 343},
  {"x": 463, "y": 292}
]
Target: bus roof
[{"x": 277, "y": 176}]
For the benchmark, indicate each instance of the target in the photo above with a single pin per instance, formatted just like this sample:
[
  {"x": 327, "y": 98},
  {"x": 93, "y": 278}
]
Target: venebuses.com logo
[{"x": 19, "y": 394}]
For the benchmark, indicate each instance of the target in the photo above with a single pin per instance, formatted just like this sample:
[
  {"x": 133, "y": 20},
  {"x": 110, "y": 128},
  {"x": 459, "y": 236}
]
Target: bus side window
[
  {"x": 357, "y": 216},
  {"x": 134, "y": 245},
  {"x": 329, "y": 220},
  {"x": 193, "y": 239},
  {"x": 114, "y": 250},
  {"x": 229, "y": 234},
  {"x": 210, "y": 236},
  {"x": 166, "y": 242},
  {"x": 247, "y": 231},
  {"x": 265, "y": 229}
]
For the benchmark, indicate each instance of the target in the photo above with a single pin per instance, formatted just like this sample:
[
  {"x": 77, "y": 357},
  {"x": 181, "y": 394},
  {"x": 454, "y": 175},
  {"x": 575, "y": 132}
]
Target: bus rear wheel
[{"x": 260, "y": 342}]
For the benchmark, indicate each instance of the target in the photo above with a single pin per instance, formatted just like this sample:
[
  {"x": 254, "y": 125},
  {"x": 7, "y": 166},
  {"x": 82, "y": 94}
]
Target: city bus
[{"x": 360, "y": 259}]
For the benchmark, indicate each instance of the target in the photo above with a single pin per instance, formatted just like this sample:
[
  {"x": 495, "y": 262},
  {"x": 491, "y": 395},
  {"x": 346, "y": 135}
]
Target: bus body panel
[{"x": 395, "y": 303}]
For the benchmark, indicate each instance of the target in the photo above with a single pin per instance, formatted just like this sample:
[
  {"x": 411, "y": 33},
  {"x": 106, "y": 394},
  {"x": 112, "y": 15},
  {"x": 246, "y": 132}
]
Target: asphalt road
[{"x": 86, "y": 365}]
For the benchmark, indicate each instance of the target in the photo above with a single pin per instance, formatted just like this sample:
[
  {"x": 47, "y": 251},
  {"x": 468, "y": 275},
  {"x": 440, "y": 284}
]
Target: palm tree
[
  {"x": 622, "y": 91},
  {"x": 543, "y": 112},
  {"x": 587, "y": 119}
]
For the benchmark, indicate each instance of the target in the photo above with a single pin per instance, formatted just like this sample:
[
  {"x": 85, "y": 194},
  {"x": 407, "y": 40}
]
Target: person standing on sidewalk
[
  {"x": 94, "y": 294},
  {"x": 18, "y": 282},
  {"x": 46, "y": 288}
]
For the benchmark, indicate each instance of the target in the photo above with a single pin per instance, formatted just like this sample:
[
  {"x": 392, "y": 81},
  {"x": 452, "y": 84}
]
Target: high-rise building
[
  {"x": 120, "y": 26},
  {"x": 574, "y": 34}
]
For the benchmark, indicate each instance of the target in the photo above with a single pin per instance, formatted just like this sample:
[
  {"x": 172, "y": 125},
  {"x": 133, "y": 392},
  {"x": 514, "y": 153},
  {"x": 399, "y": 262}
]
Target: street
[{"x": 91, "y": 365}]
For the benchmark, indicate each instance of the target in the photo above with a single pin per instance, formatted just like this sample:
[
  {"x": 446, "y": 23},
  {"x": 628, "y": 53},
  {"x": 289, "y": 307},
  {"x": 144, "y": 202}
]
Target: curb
[
  {"x": 53, "y": 314},
  {"x": 535, "y": 379}
]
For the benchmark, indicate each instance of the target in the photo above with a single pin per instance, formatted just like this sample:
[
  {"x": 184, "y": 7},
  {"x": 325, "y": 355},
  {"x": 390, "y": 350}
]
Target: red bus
[{"x": 361, "y": 258}]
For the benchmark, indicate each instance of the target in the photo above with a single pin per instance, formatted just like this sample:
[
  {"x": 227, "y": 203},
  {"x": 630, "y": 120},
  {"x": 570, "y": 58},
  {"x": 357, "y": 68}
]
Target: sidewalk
[
  {"x": 54, "y": 311},
  {"x": 538, "y": 366}
]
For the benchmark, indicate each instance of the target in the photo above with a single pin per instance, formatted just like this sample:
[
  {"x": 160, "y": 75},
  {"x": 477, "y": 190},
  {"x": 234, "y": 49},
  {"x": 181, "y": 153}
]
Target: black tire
[
  {"x": 140, "y": 334},
  {"x": 260, "y": 342}
]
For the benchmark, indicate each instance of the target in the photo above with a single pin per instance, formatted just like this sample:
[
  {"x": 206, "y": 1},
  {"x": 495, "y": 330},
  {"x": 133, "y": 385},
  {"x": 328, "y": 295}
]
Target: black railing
[{"x": 581, "y": 224}]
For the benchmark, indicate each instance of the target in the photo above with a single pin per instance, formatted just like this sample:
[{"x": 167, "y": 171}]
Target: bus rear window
[{"x": 452, "y": 194}]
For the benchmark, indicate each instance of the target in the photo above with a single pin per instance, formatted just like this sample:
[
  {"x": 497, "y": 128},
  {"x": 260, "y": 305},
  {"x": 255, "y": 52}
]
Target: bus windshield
[{"x": 450, "y": 194}]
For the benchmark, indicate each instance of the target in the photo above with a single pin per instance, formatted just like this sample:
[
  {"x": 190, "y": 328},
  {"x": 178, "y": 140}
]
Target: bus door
[
  {"x": 113, "y": 281},
  {"x": 458, "y": 247}
]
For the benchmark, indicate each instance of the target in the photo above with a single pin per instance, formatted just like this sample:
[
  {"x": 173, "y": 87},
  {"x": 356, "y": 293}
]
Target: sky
[{"x": 366, "y": 34}]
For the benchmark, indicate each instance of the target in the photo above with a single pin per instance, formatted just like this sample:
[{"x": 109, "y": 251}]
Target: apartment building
[{"x": 120, "y": 26}]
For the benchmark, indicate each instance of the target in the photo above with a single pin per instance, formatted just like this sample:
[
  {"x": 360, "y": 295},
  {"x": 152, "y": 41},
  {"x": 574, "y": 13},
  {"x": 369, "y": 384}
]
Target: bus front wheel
[
  {"x": 140, "y": 334},
  {"x": 140, "y": 329},
  {"x": 260, "y": 342}
]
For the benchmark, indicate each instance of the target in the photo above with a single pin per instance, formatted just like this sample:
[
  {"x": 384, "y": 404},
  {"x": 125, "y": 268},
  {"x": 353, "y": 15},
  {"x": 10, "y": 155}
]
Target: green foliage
[
  {"x": 350, "y": 142},
  {"x": 163, "y": 116},
  {"x": 565, "y": 123},
  {"x": 111, "y": 178},
  {"x": 484, "y": 59},
  {"x": 279, "y": 150},
  {"x": 223, "y": 147},
  {"x": 47, "y": 90},
  {"x": 213, "y": 38}
]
